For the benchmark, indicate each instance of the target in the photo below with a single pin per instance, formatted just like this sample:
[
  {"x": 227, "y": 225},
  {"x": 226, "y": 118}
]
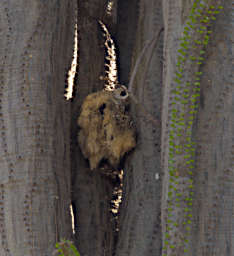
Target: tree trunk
[
  {"x": 214, "y": 183},
  {"x": 212, "y": 132},
  {"x": 127, "y": 20},
  {"x": 92, "y": 191},
  {"x": 139, "y": 225},
  {"x": 35, "y": 51}
]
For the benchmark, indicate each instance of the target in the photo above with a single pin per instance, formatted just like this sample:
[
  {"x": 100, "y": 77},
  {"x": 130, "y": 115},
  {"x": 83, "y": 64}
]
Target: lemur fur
[{"x": 106, "y": 130}]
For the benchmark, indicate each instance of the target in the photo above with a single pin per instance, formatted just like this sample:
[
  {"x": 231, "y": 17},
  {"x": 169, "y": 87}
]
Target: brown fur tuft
[{"x": 106, "y": 130}]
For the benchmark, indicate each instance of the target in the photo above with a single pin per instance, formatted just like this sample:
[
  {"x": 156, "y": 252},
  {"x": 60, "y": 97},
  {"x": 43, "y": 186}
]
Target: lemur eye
[{"x": 123, "y": 93}]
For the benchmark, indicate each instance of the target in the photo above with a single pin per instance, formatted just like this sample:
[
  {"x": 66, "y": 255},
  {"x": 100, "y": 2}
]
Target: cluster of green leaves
[
  {"x": 66, "y": 248},
  {"x": 185, "y": 94}
]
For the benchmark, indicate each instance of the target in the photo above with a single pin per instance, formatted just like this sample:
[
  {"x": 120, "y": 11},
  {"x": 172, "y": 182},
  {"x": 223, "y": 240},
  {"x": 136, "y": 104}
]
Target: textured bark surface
[
  {"x": 139, "y": 220},
  {"x": 92, "y": 191},
  {"x": 175, "y": 13},
  {"x": 140, "y": 232},
  {"x": 35, "y": 52},
  {"x": 213, "y": 210},
  {"x": 214, "y": 188}
]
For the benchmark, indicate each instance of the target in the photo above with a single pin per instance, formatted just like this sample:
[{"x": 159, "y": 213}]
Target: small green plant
[{"x": 66, "y": 248}]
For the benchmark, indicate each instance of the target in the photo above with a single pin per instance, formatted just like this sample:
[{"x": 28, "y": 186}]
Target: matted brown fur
[{"x": 106, "y": 130}]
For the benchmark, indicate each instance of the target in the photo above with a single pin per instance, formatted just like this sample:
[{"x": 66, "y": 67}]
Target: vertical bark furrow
[
  {"x": 92, "y": 191},
  {"x": 127, "y": 15}
]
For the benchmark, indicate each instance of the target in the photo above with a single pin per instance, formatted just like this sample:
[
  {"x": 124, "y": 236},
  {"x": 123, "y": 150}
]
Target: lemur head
[{"x": 121, "y": 92}]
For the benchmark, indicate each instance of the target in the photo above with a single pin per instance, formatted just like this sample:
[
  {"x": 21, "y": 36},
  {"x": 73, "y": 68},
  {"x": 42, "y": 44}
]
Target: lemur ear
[{"x": 121, "y": 92}]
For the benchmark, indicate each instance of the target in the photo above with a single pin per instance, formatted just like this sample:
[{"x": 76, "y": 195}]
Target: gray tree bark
[
  {"x": 92, "y": 191},
  {"x": 140, "y": 231},
  {"x": 214, "y": 183},
  {"x": 213, "y": 131},
  {"x": 212, "y": 226},
  {"x": 35, "y": 51}
]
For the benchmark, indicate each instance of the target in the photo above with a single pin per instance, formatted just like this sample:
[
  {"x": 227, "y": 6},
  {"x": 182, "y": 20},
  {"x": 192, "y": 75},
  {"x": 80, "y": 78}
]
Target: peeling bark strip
[{"x": 34, "y": 153}]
